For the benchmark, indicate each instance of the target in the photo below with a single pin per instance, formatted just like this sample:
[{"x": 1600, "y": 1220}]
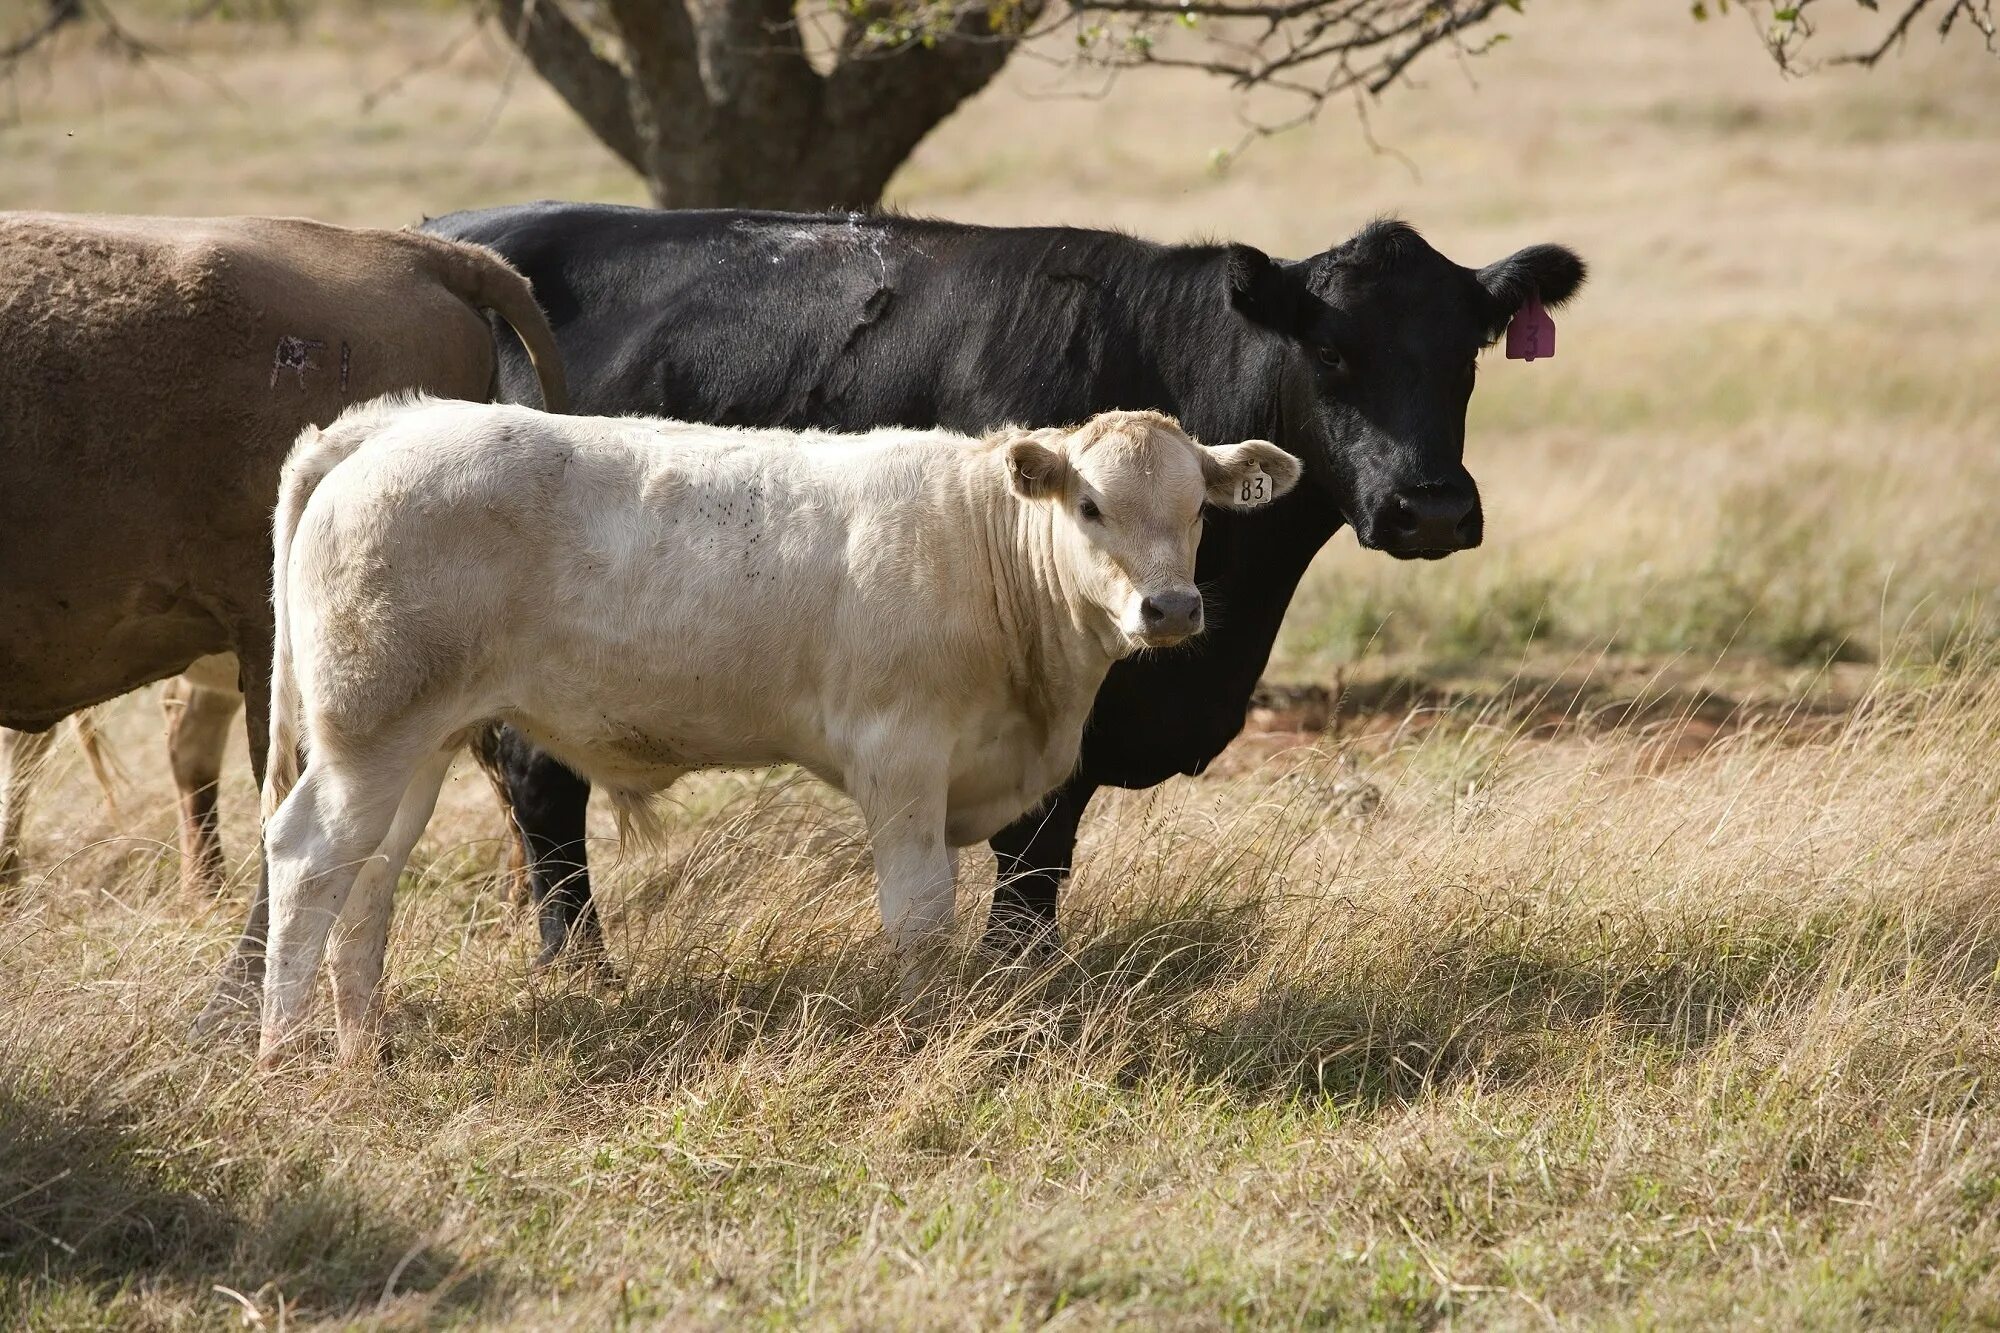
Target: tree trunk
[{"x": 721, "y": 107}]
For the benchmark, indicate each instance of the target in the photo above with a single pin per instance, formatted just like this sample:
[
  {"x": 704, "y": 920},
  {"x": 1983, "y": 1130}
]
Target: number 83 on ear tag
[{"x": 1256, "y": 488}]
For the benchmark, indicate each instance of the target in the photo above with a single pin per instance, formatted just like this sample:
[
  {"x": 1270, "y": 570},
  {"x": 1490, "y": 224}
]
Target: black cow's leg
[
  {"x": 238, "y": 988},
  {"x": 1033, "y": 856},
  {"x": 548, "y": 806}
]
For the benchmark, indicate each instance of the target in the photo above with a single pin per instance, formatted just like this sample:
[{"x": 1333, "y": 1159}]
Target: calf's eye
[
  {"x": 1330, "y": 358},
  {"x": 1089, "y": 509}
]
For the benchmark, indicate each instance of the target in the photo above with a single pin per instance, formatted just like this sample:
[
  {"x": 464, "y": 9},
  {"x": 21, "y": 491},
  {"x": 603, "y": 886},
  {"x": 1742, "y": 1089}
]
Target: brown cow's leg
[
  {"x": 197, "y": 729},
  {"x": 239, "y": 987},
  {"x": 20, "y": 755}
]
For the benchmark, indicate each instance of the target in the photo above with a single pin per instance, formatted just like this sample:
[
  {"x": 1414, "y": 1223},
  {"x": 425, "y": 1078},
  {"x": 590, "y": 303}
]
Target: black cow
[{"x": 1359, "y": 360}]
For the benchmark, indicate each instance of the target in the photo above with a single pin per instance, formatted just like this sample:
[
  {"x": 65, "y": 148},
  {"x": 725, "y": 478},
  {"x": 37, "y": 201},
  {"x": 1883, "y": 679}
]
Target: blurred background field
[{"x": 1620, "y": 952}]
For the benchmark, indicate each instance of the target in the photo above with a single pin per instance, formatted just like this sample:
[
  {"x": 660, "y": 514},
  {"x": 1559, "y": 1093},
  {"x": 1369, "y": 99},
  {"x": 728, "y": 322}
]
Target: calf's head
[
  {"x": 1378, "y": 341},
  {"x": 1125, "y": 492}
]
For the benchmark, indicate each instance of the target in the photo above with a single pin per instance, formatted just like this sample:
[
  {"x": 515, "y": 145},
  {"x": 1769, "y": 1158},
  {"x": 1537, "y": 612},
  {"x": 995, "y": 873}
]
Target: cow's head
[
  {"x": 1125, "y": 492},
  {"x": 1381, "y": 336}
]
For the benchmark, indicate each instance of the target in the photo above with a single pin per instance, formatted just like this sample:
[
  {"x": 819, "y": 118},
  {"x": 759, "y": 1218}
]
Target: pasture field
[{"x": 1623, "y": 953}]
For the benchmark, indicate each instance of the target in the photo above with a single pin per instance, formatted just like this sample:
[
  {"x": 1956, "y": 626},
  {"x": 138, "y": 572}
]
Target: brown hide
[{"x": 153, "y": 374}]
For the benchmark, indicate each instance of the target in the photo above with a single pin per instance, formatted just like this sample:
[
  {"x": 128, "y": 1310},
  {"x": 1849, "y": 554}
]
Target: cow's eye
[
  {"x": 1089, "y": 509},
  {"x": 1331, "y": 358}
]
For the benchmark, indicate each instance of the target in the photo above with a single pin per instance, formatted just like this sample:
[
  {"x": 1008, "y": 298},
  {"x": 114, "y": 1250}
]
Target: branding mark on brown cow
[{"x": 293, "y": 354}]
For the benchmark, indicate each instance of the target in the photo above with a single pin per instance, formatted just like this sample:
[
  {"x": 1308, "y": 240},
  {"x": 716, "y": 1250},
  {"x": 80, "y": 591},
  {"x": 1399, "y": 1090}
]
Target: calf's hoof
[
  {"x": 271, "y": 1051},
  {"x": 368, "y": 1054},
  {"x": 283, "y": 1045}
]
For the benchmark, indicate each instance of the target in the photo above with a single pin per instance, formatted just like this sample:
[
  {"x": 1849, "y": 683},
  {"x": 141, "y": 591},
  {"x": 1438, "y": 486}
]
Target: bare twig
[
  {"x": 423, "y": 64},
  {"x": 1789, "y": 28},
  {"x": 1309, "y": 50},
  {"x": 61, "y": 13}
]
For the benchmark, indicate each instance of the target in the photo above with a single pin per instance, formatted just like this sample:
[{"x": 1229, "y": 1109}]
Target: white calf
[{"x": 919, "y": 618}]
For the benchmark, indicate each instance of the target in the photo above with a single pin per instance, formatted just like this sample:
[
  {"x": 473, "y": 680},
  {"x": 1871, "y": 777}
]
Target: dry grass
[
  {"x": 1659, "y": 990},
  {"x": 1559, "y": 1031}
]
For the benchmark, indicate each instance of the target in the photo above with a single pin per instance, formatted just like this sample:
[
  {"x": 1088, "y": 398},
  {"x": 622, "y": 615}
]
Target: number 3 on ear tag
[
  {"x": 1256, "y": 488},
  {"x": 1531, "y": 333}
]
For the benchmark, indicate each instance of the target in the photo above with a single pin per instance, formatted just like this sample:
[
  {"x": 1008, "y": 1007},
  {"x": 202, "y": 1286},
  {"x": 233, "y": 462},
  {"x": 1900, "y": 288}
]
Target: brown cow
[{"x": 153, "y": 374}]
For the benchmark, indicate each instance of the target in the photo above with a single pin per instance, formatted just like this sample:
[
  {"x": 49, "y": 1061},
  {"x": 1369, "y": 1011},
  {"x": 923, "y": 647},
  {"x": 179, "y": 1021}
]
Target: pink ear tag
[{"x": 1531, "y": 333}]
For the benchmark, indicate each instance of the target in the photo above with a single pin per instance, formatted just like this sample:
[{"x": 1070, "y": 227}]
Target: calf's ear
[
  {"x": 1247, "y": 475},
  {"x": 1552, "y": 272},
  {"x": 1035, "y": 471}
]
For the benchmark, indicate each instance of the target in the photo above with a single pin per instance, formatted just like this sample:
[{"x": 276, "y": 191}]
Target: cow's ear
[
  {"x": 1259, "y": 289},
  {"x": 1035, "y": 471},
  {"x": 1551, "y": 272},
  {"x": 1247, "y": 475}
]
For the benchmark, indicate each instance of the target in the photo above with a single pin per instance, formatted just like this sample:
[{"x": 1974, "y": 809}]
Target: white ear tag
[{"x": 1255, "y": 488}]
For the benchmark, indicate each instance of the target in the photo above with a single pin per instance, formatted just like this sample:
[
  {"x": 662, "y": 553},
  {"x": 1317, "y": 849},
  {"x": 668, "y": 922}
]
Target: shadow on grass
[
  {"x": 1542, "y": 704},
  {"x": 688, "y": 1005},
  {"x": 107, "y": 1223},
  {"x": 1505, "y": 998},
  {"x": 1155, "y": 993},
  {"x": 1492, "y": 992},
  {"x": 1507, "y": 1020}
]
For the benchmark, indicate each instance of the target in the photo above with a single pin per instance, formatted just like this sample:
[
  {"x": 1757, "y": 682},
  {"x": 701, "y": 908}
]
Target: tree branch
[
  {"x": 1204, "y": 8},
  {"x": 60, "y": 14},
  {"x": 753, "y": 49},
  {"x": 1310, "y": 49},
  {"x": 1790, "y": 29},
  {"x": 882, "y": 99},
  {"x": 561, "y": 52},
  {"x": 660, "y": 47},
  {"x": 1892, "y": 37},
  {"x": 1393, "y": 67},
  {"x": 1980, "y": 17}
]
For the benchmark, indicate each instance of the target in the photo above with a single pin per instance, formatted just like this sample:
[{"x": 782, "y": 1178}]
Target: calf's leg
[
  {"x": 315, "y": 846},
  {"x": 198, "y": 721},
  {"x": 905, "y": 812},
  {"x": 363, "y": 934},
  {"x": 21, "y": 755},
  {"x": 1033, "y": 856}
]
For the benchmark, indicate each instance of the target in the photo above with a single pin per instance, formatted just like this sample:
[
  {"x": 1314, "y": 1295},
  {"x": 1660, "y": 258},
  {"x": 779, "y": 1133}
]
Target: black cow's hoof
[
  {"x": 230, "y": 1016},
  {"x": 591, "y": 966},
  {"x": 1025, "y": 941}
]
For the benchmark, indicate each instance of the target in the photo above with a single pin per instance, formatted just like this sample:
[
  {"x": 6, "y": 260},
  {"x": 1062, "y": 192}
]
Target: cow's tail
[
  {"x": 482, "y": 279},
  {"x": 315, "y": 454},
  {"x": 104, "y": 765}
]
